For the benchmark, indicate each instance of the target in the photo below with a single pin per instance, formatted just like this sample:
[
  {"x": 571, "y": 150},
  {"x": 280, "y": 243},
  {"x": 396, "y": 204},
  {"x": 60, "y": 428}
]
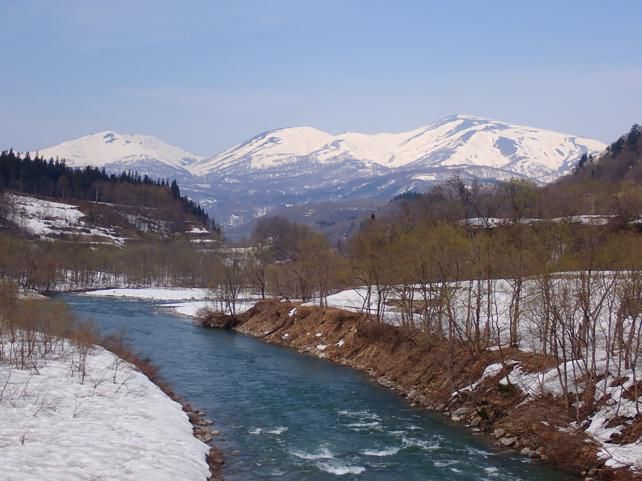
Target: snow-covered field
[
  {"x": 47, "y": 219},
  {"x": 116, "y": 425}
]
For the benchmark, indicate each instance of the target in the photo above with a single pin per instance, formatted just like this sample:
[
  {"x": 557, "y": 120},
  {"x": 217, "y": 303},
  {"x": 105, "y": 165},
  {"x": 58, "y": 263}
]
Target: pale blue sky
[{"x": 205, "y": 75}]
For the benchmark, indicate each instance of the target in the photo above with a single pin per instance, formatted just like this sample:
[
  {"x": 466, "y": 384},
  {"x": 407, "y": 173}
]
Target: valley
[
  {"x": 320, "y": 241},
  {"x": 483, "y": 301}
]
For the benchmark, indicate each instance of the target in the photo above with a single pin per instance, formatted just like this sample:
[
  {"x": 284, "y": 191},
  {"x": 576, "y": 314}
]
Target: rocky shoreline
[
  {"x": 203, "y": 432},
  {"x": 414, "y": 368}
]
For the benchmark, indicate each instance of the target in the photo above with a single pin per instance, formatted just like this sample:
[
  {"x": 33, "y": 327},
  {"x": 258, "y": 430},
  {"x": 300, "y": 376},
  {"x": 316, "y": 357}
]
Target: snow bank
[
  {"x": 191, "y": 300},
  {"x": 154, "y": 293},
  {"x": 115, "y": 425}
]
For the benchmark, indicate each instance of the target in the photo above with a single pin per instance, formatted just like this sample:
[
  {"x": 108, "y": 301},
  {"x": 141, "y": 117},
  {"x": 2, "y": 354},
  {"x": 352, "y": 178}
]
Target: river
[{"x": 286, "y": 416}]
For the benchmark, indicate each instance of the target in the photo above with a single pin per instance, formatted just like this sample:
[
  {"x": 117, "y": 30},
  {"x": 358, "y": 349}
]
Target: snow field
[{"x": 117, "y": 425}]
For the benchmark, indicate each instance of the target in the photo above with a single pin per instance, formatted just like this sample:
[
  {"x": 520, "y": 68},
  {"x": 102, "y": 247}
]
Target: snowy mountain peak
[
  {"x": 102, "y": 149},
  {"x": 266, "y": 150}
]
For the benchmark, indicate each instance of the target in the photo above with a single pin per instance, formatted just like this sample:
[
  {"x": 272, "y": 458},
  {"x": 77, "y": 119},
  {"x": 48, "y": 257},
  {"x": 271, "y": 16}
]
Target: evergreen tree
[
  {"x": 634, "y": 136},
  {"x": 581, "y": 163},
  {"x": 176, "y": 192}
]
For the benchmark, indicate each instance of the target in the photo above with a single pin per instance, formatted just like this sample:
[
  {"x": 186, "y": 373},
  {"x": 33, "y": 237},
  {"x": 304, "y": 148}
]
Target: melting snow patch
[
  {"x": 490, "y": 371},
  {"x": 45, "y": 219}
]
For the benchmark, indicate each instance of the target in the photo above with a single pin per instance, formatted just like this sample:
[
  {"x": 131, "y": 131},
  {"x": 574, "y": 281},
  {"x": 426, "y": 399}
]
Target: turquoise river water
[{"x": 286, "y": 416}]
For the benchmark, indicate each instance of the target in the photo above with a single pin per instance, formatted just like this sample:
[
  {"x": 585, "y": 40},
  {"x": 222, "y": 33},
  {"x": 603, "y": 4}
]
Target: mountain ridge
[
  {"x": 443, "y": 143},
  {"x": 301, "y": 165}
]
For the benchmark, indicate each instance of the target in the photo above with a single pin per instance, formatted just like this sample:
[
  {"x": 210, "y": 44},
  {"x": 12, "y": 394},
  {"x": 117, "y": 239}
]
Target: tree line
[{"x": 53, "y": 178}]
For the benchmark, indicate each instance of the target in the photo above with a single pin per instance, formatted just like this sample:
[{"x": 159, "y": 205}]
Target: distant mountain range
[{"x": 303, "y": 165}]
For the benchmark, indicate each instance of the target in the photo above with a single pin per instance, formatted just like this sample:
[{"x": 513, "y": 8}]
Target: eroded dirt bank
[{"x": 434, "y": 375}]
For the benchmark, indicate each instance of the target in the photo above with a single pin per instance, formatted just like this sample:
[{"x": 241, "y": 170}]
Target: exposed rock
[
  {"x": 506, "y": 441},
  {"x": 526, "y": 452},
  {"x": 385, "y": 382},
  {"x": 499, "y": 432},
  {"x": 476, "y": 421},
  {"x": 462, "y": 411},
  {"x": 455, "y": 418}
]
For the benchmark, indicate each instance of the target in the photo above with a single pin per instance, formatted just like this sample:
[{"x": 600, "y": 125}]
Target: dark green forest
[{"x": 53, "y": 178}]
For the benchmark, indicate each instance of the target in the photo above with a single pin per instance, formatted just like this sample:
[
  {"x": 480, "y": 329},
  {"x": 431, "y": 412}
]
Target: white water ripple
[
  {"x": 419, "y": 443},
  {"x": 338, "y": 468},
  {"x": 360, "y": 414},
  {"x": 391, "y": 451},
  {"x": 322, "y": 453},
  {"x": 277, "y": 430}
]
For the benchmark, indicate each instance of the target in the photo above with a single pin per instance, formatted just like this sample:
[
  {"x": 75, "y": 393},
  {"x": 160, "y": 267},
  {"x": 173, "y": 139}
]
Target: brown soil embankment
[{"x": 432, "y": 374}]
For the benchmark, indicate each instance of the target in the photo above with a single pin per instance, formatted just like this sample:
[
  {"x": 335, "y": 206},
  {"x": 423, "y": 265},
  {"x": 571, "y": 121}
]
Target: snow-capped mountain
[
  {"x": 303, "y": 165},
  {"x": 458, "y": 141},
  {"x": 116, "y": 152}
]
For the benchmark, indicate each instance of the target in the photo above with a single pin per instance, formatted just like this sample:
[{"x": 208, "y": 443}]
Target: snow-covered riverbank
[
  {"x": 115, "y": 424},
  {"x": 185, "y": 301}
]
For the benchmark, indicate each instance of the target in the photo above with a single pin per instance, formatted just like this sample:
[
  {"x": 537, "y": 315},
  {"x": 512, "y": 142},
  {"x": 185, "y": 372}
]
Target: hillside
[
  {"x": 50, "y": 200},
  {"x": 620, "y": 162}
]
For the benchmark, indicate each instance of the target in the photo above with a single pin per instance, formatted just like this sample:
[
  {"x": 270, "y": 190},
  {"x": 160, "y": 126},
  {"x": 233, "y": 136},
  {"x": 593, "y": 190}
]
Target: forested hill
[
  {"x": 52, "y": 178},
  {"x": 620, "y": 162}
]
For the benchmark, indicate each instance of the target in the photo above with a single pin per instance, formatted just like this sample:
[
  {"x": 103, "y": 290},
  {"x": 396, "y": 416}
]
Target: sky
[{"x": 206, "y": 75}]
